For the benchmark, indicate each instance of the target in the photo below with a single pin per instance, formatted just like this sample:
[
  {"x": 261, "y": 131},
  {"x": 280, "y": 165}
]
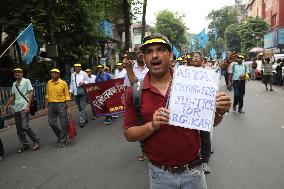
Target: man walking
[
  {"x": 237, "y": 78},
  {"x": 120, "y": 72},
  {"x": 173, "y": 152},
  {"x": 91, "y": 77},
  {"x": 101, "y": 77},
  {"x": 267, "y": 73},
  {"x": 22, "y": 93},
  {"x": 58, "y": 105},
  {"x": 253, "y": 69},
  {"x": 136, "y": 73},
  {"x": 79, "y": 78}
]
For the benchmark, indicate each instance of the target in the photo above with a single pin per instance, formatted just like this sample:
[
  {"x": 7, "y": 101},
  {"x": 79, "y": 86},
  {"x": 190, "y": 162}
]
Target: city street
[{"x": 248, "y": 152}]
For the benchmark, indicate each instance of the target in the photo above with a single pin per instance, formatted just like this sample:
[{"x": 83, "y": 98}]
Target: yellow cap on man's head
[
  {"x": 119, "y": 64},
  {"x": 55, "y": 70},
  {"x": 100, "y": 66},
  {"x": 88, "y": 70},
  {"x": 77, "y": 65},
  {"x": 180, "y": 59},
  {"x": 18, "y": 69}
]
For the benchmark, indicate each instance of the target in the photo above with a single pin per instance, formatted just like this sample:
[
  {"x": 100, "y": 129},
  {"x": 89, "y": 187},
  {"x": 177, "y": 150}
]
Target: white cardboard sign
[{"x": 193, "y": 97}]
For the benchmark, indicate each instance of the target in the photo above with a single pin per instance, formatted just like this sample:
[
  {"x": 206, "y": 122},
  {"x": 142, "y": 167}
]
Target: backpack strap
[{"x": 137, "y": 93}]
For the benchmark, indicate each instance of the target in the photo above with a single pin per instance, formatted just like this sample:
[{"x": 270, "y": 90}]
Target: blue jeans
[{"x": 191, "y": 179}]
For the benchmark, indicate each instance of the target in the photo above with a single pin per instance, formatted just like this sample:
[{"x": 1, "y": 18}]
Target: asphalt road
[{"x": 248, "y": 152}]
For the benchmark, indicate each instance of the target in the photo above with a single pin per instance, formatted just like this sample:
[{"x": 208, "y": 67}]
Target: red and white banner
[{"x": 106, "y": 98}]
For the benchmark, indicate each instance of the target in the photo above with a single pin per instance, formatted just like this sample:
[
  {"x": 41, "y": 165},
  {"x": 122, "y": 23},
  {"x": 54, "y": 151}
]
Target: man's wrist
[{"x": 150, "y": 125}]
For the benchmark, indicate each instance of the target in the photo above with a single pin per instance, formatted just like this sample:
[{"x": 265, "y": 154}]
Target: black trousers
[
  {"x": 1, "y": 148},
  {"x": 239, "y": 92},
  {"x": 205, "y": 146}
]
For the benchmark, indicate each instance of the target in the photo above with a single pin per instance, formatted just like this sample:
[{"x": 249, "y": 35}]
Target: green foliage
[
  {"x": 232, "y": 37},
  {"x": 221, "y": 19},
  {"x": 172, "y": 26},
  {"x": 251, "y": 32}
]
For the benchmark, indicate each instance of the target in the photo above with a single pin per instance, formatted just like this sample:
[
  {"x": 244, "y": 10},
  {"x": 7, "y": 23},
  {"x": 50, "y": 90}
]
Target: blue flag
[
  {"x": 201, "y": 39},
  {"x": 175, "y": 51},
  {"x": 224, "y": 55},
  {"x": 213, "y": 53},
  {"x": 27, "y": 43}
]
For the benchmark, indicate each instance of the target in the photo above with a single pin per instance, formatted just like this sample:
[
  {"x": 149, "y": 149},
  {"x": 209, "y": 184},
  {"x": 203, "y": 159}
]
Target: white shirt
[
  {"x": 120, "y": 74},
  {"x": 138, "y": 72},
  {"x": 92, "y": 78},
  {"x": 80, "y": 77}
]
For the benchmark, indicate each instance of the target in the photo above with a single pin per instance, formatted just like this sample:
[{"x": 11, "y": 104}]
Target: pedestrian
[
  {"x": 253, "y": 69},
  {"x": 136, "y": 73},
  {"x": 237, "y": 78},
  {"x": 58, "y": 106},
  {"x": 103, "y": 76},
  {"x": 1, "y": 151},
  {"x": 79, "y": 78},
  {"x": 278, "y": 77},
  {"x": 267, "y": 73},
  {"x": 205, "y": 136},
  {"x": 91, "y": 77},
  {"x": 107, "y": 70},
  {"x": 22, "y": 94},
  {"x": 136, "y": 70},
  {"x": 120, "y": 72},
  {"x": 173, "y": 152}
]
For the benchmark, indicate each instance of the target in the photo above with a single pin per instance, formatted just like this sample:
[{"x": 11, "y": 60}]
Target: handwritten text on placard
[{"x": 193, "y": 97}]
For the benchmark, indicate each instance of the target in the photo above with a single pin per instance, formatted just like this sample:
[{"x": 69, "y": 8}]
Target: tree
[
  {"x": 221, "y": 19},
  {"x": 251, "y": 32},
  {"x": 171, "y": 25},
  {"x": 143, "y": 20},
  {"x": 232, "y": 37}
]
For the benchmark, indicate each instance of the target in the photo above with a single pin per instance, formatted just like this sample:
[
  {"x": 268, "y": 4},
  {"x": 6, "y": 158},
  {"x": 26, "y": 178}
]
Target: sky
[{"x": 194, "y": 10}]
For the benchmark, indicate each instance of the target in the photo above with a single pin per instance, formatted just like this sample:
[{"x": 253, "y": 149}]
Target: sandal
[
  {"x": 142, "y": 157},
  {"x": 36, "y": 146},
  {"x": 23, "y": 148}
]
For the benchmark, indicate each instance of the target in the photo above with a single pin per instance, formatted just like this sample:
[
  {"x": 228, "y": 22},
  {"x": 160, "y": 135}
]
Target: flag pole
[{"x": 14, "y": 41}]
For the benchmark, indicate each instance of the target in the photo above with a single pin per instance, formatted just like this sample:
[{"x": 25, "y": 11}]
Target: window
[{"x": 273, "y": 20}]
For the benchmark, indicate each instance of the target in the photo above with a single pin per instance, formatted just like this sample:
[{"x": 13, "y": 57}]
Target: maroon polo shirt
[{"x": 169, "y": 145}]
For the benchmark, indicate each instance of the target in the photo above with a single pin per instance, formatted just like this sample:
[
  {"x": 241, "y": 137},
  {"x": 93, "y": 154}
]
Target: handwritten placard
[{"x": 193, "y": 97}]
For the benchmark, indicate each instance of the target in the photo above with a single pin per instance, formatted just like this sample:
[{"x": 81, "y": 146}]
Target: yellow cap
[
  {"x": 18, "y": 69},
  {"x": 155, "y": 40},
  {"x": 180, "y": 59},
  {"x": 241, "y": 56},
  {"x": 188, "y": 56},
  {"x": 88, "y": 70},
  {"x": 77, "y": 65},
  {"x": 55, "y": 70},
  {"x": 100, "y": 66},
  {"x": 119, "y": 64},
  {"x": 106, "y": 68}
]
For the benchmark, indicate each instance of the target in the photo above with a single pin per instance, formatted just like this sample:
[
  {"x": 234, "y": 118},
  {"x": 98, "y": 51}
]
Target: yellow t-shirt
[{"x": 57, "y": 91}]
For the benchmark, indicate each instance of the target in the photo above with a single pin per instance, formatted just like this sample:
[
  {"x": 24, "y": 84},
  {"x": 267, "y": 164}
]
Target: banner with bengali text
[{"x": 106, "y": 98}]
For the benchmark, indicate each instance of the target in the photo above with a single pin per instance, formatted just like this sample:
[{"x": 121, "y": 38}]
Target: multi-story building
[{"x": 272, "y": 12}]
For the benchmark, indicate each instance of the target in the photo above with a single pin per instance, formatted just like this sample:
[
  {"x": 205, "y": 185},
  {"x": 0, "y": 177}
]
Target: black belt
[{"x": 180, "y": 168}]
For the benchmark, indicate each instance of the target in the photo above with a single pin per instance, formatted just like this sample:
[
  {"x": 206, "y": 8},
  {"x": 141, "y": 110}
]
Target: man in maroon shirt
[{"x": 173, "y": 152}]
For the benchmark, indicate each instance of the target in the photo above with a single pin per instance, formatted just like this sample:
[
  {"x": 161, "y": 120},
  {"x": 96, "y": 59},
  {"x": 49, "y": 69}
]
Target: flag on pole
[
  {"x": 200, "y": 37},
  {"x": 27, "y": 43},
  {"x": 213, "y": 53},
  {"x": 175, "y": 51}
]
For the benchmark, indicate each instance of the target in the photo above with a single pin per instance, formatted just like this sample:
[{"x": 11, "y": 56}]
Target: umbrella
[{"x": 256, "y": 50}]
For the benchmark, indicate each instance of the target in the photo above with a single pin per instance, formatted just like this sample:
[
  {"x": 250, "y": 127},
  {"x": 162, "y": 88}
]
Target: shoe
[
  {"x": 36, "y": 146},
  {"x": 114, "y": 117},
  {"x": 23, "y": 148},
  {"x": 108, "y": 122},
  {"x": 82, "y": 125},
  {"x": 241, "y": 111},
  {"x": 206, "y": 168},
  {"x": 271, "y": 90},
  {"x": 86, "y": 121},
  {"x": 142, "y": 157},
  {"x": 234, "y": 108}
]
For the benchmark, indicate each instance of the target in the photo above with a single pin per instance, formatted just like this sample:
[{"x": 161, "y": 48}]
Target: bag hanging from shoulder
[
  {"x": 33, "y": 106},
  {"x": 80, "y": 90}
]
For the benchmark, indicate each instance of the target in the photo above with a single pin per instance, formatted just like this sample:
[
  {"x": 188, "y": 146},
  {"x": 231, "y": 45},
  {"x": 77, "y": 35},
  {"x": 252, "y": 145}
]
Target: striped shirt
[{"x": 267, "y": 69}]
